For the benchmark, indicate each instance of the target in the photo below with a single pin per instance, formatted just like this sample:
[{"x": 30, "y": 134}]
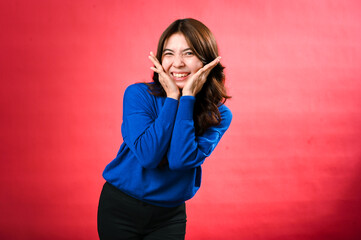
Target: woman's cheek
[
  {"x": 165, "y": 64},
  {"x": 197, "y": 64}
]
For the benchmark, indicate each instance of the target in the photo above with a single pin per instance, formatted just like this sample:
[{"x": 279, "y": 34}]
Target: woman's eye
[
  {"x": 188, "y": 53},
  {"x": 167, "y": 54}
]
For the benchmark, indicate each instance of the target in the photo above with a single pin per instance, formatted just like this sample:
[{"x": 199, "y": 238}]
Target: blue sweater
[{"x": 154, "y": 127}]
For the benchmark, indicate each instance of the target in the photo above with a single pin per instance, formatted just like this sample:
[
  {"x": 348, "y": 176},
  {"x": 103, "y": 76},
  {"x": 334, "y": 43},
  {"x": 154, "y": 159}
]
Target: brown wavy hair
[{"x": 213, "y": 93}]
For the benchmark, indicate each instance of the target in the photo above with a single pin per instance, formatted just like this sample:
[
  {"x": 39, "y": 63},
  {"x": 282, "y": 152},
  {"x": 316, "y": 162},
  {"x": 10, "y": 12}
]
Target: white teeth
[{"x": 180, "y": 75}]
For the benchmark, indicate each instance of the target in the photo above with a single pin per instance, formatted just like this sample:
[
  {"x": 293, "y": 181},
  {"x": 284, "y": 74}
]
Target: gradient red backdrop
[{"x": 288, "y": 168}]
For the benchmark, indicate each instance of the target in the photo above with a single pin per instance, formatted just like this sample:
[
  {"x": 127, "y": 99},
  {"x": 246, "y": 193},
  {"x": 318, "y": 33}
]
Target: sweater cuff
[{"x": 186, "y": 106}]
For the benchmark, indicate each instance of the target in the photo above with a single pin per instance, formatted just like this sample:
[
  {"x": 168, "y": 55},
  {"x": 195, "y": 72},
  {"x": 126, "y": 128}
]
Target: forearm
[
  {"x": 188, "y": 150},
  {"x": 146, "y": 132}
]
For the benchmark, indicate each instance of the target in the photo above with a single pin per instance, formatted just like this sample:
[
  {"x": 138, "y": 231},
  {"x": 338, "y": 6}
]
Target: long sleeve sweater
[{"x": 155, "y": 128}]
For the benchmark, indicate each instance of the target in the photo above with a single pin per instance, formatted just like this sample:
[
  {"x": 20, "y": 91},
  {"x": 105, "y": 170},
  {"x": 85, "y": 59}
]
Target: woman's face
[{"x": 178, "y": 60}]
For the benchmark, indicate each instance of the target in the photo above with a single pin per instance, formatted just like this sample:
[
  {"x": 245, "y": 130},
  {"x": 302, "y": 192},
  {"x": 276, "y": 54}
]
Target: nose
[{"x": 178, "y": 61}]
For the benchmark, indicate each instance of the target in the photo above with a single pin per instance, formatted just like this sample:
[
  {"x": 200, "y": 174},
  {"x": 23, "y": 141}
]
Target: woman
[{"x": 169, "y": 127}]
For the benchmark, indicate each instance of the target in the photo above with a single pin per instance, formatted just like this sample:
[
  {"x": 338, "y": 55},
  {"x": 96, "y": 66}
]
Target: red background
[{"x": 288, "y": 168}]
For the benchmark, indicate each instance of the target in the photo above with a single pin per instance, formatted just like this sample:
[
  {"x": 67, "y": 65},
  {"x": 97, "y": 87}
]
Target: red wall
[{"x": 288, "y": 168}]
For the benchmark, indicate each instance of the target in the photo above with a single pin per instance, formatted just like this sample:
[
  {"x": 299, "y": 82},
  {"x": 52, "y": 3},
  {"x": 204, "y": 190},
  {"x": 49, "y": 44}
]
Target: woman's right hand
[{"x": 167, "y": 83}]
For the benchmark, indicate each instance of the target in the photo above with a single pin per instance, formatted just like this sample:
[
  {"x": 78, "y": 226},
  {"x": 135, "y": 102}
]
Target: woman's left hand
[{"x": 196, "y": 82}]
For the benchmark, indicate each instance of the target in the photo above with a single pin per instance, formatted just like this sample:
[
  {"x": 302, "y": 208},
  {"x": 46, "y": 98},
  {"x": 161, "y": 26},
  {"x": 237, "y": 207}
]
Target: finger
[
  {"x": 155, "y": 62},
  {"x": 163, "y": 77},
  {"x": 212, "y": 64},
  {"x": 156, "y": 70},
  {"x": 208, "y": 67},
  {"x": 154, "y": 58},
  {"x": 204, "y": 71}
]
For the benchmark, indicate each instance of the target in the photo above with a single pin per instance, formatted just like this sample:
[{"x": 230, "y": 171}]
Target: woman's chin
[{"x": 180, "y": 85}]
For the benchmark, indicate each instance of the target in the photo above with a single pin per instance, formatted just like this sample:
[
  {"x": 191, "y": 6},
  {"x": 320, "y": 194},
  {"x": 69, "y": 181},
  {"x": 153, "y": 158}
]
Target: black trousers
[{"x": 123, "y": 217}]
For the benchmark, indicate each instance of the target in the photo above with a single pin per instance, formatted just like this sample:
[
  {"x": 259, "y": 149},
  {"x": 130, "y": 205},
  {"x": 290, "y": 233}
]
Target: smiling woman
[
  {"x": 169, "y": 128},
  {"x": 198, "y": 46}
]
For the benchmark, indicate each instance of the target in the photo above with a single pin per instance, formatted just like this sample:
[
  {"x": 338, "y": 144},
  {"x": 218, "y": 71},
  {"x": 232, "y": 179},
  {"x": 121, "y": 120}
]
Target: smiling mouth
[{"x": 180, "y": 76}]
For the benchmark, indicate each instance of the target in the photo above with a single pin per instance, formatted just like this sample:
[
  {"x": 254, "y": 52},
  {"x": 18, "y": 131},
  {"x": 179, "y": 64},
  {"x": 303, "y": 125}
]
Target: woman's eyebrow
[
  {"x": 184, "y": 50},
  {"x": 187, "y": 49}
]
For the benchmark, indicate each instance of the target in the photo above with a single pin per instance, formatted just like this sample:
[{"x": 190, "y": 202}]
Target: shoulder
[
  {"x": 226, "y": 115},
  {"x": 137, "y": 88},
  {"x": 137, "y": 97},
  {"x": 137, "y": 92}
]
